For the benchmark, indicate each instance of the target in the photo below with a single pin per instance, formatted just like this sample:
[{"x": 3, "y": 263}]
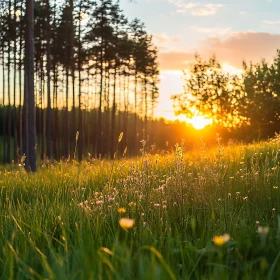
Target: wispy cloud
[
  {"x": 163, "y": 38},
  {"x": 212, "y": 31},
  {"x": 196, "y": 8},
  {"x": 271, "y": 22},
  {"x": 174, "y": 60},
  {"x": 249, "y": 46},
  {"x": 207, "y": 10},
  {"x": 182, "y": 6},
  {"x": 232, "y": 50}
]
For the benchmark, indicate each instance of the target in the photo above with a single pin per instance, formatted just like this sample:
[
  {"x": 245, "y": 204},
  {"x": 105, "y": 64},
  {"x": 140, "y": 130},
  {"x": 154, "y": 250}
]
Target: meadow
[{"x": 199, "y": 214}]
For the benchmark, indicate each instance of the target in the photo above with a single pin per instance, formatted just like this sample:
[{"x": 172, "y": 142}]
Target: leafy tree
[
  {"x": 213, "y": 93},
  {"x": 262, "y": 84}
]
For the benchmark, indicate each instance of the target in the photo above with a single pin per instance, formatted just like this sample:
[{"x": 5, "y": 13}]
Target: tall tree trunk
[
  {"x": 66, "y": 121},
  {"x": 9, "y": 89},
  {"x": 99, "y": 125},
  {"x": 49, "y": 110},
  {"x": 29, "y": 100},
  {"x": 55, "y": 85},
  {"x": 20, "y": 83},
  {"x": 4, "y": 104},
  {"x": 113, "y": 117},
  {"x": 81, "y": 130},
  {"x": 136, "y": 139},
  {"x": 15, "y": 132},
  {"x": 72, "y": 61}
]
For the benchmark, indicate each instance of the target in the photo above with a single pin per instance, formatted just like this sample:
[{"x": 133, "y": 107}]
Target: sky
[{"x": 233, "y": 30}]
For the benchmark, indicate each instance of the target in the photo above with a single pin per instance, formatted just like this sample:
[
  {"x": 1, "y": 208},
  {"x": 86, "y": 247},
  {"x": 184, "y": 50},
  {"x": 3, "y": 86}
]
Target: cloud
[
  {"x": 271, "y": 22},
  {"x": 203, "y": 9},
  {"x": 207, "y": 10},
  {"x": 248, "y": 46},
  {"x": 182, "y": 5},
  {"x": 174, "y": 60},
  {"x": 243, "y": 13},
  {"x": 163, "y": 38},
  {"x": 212, "y": 31}
]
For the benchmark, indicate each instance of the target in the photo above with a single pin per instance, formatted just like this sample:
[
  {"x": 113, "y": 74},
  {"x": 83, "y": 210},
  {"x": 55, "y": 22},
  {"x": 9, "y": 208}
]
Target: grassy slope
[{"x": 63, "y": 222}]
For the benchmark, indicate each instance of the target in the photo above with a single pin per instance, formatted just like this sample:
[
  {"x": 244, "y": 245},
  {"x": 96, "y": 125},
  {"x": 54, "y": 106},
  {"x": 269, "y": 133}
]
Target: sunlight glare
[
  {"x": 227, "y": 68},
  {"x": 199, "y": 122}
]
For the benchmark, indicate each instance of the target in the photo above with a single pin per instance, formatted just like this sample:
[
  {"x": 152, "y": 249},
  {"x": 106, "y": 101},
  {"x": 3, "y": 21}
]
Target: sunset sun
[{"x": 199, "y": 122}]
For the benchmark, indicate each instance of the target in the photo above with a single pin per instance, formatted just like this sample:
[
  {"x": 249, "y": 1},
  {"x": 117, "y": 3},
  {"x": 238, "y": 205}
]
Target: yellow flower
[
  {"x": 221, "y": 239},
  {"x": 132, "y": 204},
  {"x": 275, "y": 187},
  {"x": 121, "y": 210},
  {"x": 126, "y": 223}
]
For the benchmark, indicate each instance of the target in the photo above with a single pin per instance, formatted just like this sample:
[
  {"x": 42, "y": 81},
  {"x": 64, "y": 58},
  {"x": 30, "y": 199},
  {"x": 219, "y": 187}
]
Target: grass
[{"x": 63, "y": 221}]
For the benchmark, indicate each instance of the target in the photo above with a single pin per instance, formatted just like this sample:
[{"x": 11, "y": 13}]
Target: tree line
[{"x": 95, "y": 76}]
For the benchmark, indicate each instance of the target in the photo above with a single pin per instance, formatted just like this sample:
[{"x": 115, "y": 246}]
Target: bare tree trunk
[
  {"x": 15, "y": 78},
  {"x": 81, "y": 130},
  {"x": 9, "y": 90},
  {"x": 66, "y": 121},
  {"x": 4, "y": 105},
  {"x": 113, "y": 117},
  {"x": 29, "y": 100},
  {"x": 49, "y": 110}
]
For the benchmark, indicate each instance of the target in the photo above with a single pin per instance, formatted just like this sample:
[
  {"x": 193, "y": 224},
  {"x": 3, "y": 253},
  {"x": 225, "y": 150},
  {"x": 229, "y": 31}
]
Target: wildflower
[
  {"x": 121, "y": 210},
  {"x": 274, "y": 168},
  {"x": 156, "y": 205},
  {"x": 275, "y": 187},
  {"x": 98, "y": 202},
  {"x": 126, "y": 223},
  {"x": 263, "y": 231},
  {"x": 231, "y": 177},
  {"x": 257, "y": 222},
  {"x": 132, "y": 204},
  {"x": 273, "y": 209},
  {"x": 220, "y": 240},
  {"x": 245, "y": 198},
  {"x": 110, "y": 199}
]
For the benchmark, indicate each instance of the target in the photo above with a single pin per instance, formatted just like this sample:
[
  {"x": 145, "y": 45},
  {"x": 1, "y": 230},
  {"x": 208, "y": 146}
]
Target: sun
[{"x": 199, "y": 122}]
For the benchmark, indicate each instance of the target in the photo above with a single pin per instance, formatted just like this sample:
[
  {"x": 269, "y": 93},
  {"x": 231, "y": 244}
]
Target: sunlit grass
[{"x": 204, "y": 214}]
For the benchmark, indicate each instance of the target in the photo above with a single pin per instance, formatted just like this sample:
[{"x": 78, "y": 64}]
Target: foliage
[
  {"x": 210, "y": 91},
  {"x": 233, "y": 100},
  {"x": 263, "y": 91}
]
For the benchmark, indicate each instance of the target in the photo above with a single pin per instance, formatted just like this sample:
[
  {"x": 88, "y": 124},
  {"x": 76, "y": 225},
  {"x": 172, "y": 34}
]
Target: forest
[{"x": 96, "y": 75}]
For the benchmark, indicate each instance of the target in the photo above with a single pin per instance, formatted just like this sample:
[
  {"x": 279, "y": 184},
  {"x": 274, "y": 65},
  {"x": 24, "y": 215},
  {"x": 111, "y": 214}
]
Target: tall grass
[{"x": 63, "y": 221}]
